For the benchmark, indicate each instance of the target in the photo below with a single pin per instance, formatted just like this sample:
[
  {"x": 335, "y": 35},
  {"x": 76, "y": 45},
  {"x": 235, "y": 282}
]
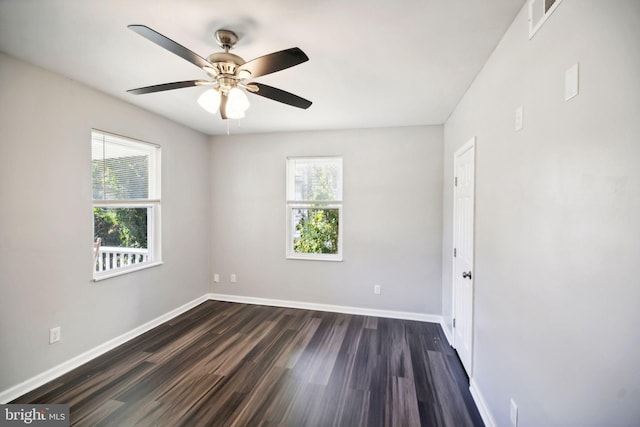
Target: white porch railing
[{"x": 110, "y": 258}]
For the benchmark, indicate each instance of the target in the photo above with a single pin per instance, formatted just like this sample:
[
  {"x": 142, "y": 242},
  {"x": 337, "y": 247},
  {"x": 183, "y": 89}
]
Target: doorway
[{"x": 463, "y": 252}]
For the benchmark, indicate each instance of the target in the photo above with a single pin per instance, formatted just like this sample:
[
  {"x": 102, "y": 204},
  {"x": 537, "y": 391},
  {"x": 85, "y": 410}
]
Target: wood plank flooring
[{"x": 228, "y": 364}]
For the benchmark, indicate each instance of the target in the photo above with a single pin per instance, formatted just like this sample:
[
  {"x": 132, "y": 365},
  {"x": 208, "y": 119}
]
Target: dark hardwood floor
[{"x": 227, "y": 364}]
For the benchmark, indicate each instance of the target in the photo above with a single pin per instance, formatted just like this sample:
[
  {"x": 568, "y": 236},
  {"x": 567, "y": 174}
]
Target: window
[
  {"x": 126, "y": 204},
  {"x": 314, "y": 208}
]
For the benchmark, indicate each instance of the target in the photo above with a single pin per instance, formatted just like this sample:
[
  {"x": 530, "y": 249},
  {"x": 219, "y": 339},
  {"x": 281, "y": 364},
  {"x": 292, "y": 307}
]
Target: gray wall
[
  {"x": 557, "y": 219},
  {"x": 46, "y": 221},
  {"x": 392, "y": 218}
]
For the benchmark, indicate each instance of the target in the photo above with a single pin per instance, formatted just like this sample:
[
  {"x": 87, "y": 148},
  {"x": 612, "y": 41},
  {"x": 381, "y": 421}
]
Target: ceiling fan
[{"x": 227, "y": 74}]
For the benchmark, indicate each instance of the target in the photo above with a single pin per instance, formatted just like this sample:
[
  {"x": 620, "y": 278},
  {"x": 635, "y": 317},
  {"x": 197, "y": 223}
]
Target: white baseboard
[
  {"x": 485, "y": 413},
  {"x": 61, "y": 369},
  {"x": 404, "y": 315},
  {"x": 447, "y": 333}
]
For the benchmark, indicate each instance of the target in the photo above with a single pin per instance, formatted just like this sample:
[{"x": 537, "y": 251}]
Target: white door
[{"x": 463, "y": 220}]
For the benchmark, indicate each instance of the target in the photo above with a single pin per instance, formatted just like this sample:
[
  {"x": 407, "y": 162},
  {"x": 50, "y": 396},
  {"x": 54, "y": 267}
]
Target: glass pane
[
  {"x": 120, "y": 171},
  {"x": 316, "y": 179},
  {"x": 123, "y": 237},
  {"x": 315, "y": 230}
]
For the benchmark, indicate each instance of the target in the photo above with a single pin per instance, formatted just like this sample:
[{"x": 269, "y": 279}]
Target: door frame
[{"x": 469, "y": 145}]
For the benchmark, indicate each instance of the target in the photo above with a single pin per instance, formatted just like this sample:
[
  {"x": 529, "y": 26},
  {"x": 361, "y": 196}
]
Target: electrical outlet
[
  {"x": 216, "y": 278},
  {"x": 54, "y": 335},
  {"x": 233, "y": 278},
  {"x": 376, "y": 289},
  {"x": 514, "y": 414}
]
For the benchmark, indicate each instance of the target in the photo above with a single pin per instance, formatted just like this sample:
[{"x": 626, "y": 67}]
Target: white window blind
[
  {"x": 122, "y": 169},
  {"x": 315, "y": 179}
]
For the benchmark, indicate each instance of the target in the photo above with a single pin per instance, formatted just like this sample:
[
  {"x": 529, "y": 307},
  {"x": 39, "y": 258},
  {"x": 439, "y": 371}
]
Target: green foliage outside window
[
  {"x": 318, "y": 230},
  {"x": 121, "y": 227}
]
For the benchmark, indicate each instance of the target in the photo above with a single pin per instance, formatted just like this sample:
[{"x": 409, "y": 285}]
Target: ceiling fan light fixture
[
  {"x": 210, "y": 100},
  {"x": 237, "y": 103}
]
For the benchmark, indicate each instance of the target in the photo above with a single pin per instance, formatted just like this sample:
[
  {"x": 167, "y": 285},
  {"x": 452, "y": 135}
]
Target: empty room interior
[{"x": 321, "y": 213}]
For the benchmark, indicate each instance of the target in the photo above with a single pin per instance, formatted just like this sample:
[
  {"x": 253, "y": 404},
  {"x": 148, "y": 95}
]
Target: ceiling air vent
[{"x": 539, "y": 11}]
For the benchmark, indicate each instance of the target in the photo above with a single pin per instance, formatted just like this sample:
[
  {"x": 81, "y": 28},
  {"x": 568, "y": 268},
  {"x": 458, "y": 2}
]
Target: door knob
[{"x": 466, "y": 275}]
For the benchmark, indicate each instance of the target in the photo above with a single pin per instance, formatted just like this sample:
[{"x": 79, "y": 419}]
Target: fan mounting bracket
[{"x": 226, "y": 39}]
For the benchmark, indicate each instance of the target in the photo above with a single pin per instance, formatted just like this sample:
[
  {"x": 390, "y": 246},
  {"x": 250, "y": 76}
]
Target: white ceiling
[{"x": 373, "y": 63}]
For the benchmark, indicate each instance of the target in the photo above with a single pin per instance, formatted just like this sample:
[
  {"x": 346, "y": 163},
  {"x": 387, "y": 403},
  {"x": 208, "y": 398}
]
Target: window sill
[
  {"x": 120, "y": 272},
  {"x": 314, "y": 257}
]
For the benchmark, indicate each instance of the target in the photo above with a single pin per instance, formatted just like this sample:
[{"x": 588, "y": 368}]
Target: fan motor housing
[{"x": 225, "y": 62}]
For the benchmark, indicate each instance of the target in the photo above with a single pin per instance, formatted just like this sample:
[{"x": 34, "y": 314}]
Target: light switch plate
[
  {"x": 519, "y": 118},
  {"x": 571, "y": 82},
  {"x": 54, "y": 334}
]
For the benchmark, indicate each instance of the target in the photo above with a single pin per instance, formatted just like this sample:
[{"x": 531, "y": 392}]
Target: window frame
[
  {"x": 291, "y": 204},
  {"x": 152, "y": 203}
]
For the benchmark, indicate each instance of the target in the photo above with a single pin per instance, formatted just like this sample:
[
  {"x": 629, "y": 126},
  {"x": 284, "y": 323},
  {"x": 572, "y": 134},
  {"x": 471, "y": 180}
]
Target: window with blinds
[
  {"x": 314, "y": 208},
  {"x": 126, "y": 204}
]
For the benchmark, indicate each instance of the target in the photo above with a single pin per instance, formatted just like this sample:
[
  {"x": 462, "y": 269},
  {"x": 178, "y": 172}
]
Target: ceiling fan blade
[
  {"x": 167, "y": 86},
  {"x": 280, "y": 95},
  {"x": 275, "y": 61},
  {"x": 223, "y": 106},
  {"x": 170, "y": 45}
]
